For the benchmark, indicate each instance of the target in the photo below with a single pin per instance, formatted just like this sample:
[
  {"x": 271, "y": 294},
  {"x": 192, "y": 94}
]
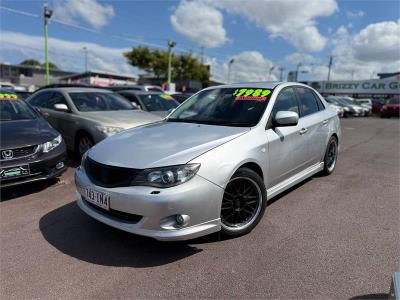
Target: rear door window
[
  {"x": 41, "y": 99},
  {"x": 308, "y": 102},
  {"x": 55, "y": 98}
]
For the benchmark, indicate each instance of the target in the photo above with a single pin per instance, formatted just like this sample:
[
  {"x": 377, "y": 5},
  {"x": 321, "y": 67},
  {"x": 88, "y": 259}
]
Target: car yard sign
[{"x": 358, "y": 87}]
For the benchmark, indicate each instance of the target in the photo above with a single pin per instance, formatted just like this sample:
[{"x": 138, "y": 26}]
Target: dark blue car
[{"x": 30, "y": 149}]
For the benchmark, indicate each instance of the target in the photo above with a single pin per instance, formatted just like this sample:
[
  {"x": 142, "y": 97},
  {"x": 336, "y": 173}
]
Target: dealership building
[{"x": 386, "y": 87}]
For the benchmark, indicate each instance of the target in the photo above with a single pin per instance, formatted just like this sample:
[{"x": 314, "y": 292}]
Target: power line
[
  {"x": 19, "y": 12},
  {"x": 126, "y": 38}
]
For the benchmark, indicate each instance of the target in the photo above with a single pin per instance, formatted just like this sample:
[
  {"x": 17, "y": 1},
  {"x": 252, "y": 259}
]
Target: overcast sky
[{"x": 362, "y": 36}]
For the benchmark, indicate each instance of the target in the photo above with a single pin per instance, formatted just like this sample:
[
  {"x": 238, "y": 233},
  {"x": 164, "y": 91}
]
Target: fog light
[
  {"x": 179, "y": 220},
  {"x": 59, "y": 165},
  {"x": 182, "y": 220}
]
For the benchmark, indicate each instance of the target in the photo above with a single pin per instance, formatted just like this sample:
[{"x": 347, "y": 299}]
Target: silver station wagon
[{"x": 212, "y": 164}]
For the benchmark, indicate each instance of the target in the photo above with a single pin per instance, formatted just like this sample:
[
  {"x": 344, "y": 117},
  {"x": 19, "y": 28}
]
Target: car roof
[
  {"x": 77, "y": 90},
  {"x": 136, "y": 92},
  {"x": 260, "y": 84}
]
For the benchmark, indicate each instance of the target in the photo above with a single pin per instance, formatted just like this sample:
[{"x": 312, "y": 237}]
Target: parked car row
[
  {"x": 350, "y": 107},
  {"x": 37, "y": 131},
  {"x": 391, "y": 108}
]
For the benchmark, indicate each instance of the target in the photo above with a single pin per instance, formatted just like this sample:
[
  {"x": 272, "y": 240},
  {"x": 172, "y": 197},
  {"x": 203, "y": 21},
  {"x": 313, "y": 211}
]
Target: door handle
[
  {"x": 303, "y": 131},
  {"x": 45, "y": 114},
  {"x": 324, "y": 122}
]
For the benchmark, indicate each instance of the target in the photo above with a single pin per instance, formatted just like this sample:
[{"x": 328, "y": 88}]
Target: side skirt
[{"x": 295, "y": 179}]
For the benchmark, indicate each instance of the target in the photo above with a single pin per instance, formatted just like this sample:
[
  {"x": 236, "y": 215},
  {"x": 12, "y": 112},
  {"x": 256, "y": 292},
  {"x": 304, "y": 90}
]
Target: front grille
[
  {"x": 116, "y": 214},
  {"x": 18, "y": 152},
  {"x": 109, "y": 176}
]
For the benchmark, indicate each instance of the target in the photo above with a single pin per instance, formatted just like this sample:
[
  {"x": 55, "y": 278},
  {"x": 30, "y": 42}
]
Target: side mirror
[
  {"x": 286, "y": 118},
  {"x": 135, "y": 105},
  {"x": 61, "y": 107}
]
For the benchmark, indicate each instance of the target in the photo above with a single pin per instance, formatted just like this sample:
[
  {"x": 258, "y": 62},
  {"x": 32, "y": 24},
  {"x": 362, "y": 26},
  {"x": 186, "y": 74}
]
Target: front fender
[{"x": 219, "y": 164}]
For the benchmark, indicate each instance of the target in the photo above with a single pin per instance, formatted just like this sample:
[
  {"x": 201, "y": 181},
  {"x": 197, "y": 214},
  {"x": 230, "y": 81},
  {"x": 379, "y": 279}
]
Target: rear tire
[
  {"x": 243, "y": 203},
  {"x": 330, "y": 158}
]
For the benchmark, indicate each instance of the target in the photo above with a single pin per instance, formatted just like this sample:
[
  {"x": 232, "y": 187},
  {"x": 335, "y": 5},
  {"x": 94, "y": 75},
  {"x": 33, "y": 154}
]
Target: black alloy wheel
[{"x": 243, "y": 203}]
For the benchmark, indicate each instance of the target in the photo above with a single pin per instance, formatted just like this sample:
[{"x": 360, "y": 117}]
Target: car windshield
[
  {"x": 158, "y": 102},
  {"x": 14, "y": 110},
  {"x": 155, "y": 89},
  {"x": 332, "y": 100},
  {"x": 394, "y": 101},
  {"x": 363, "y": 101},
  {"x": 224, "y": 106},
  {"x": 97, "y": 101},
  {"x": 344, "y": 101}
]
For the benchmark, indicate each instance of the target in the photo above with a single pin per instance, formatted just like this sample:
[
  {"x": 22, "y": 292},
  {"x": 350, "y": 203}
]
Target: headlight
[
  {"x": 384, "y": 107},
  {"x": 166, "y": 176},
  {"x": 109, "y": 130},
  {"x": 83, "y": 159},
  {"x": 47, "y": 147},
  {"x": 346, "y": 108}
]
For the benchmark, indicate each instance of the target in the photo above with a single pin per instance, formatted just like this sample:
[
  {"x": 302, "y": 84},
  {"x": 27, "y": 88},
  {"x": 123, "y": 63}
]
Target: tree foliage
[
  {"x": 31, "y": 62},
  {"x": 155, "y": 61},
  {"x": 36, "y": 63}
]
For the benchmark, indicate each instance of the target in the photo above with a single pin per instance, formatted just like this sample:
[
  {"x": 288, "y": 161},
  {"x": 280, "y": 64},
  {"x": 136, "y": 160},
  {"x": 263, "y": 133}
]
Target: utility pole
[
  {"x": 171, "y": 44},
  {"x": 330, "y": 66},
  {"x": 281, "y": 69},
  {"x": 202, "y": 54},
  {"x": 229, "y": 69},
  {"x": 47, "y": 15},
  {"x": 297, "y": 70},
  {"x": 86, "y": 59},
  {"x": 270, "y": 72}
]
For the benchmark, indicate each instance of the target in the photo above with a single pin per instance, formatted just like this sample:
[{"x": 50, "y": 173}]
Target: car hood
[
  {"x": 162, "y": 144},
  {"x": 161, "y": 113},
  {"x": 22, "y": 133},
  {"x": 121, "y": 118}
]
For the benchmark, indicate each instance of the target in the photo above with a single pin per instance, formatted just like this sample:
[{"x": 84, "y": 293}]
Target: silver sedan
[
  {"x": 85, "y": 116},
  {"x": 213, "y": 164}
]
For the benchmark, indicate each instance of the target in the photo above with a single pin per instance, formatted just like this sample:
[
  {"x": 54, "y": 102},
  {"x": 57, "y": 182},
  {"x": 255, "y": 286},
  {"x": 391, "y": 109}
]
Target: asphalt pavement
[{"x": 335, "y": 237}]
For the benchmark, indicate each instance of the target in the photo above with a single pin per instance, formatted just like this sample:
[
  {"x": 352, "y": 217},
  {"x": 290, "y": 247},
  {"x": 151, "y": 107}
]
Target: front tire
[
  {"x": 243, "y": 203},
  {"x": 83, "y": 143},
  {"x": 330, "y": 157}
]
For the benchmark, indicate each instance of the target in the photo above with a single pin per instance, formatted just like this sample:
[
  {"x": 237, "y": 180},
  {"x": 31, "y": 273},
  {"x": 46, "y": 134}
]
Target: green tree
[
  {"x": 36, "y": 63},
  {"x": 156, "y": 62},
  {"x": 31, "y": 62},
  {"x": 51, "y": 66}
]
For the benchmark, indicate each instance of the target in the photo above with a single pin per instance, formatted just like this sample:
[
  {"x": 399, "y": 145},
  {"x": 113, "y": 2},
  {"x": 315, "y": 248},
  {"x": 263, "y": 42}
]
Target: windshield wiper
[
  {"x": 239, "y": 124},
  {"x": 193, "y": 121}
]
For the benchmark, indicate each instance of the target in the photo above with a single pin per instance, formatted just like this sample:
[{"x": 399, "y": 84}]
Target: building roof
[
  {"x": 100, "y": 73},
  {"x": 387, "y": 75}
]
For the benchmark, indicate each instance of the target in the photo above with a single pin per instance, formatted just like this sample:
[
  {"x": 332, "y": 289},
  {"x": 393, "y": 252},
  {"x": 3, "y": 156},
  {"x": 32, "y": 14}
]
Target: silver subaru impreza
[{"x": 212, "y": 164}]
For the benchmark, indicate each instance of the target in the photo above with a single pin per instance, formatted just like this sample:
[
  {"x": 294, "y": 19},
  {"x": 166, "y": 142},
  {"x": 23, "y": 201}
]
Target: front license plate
[
  {"x": 98, "y": 198},
  {"x": 11, "y": 172}
]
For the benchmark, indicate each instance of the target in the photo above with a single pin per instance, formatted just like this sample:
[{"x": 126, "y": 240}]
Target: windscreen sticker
[
  {"x": 4, "y": 96},
  {"x": 166, "y": 97},
  {"x": 251, "y": 94}
]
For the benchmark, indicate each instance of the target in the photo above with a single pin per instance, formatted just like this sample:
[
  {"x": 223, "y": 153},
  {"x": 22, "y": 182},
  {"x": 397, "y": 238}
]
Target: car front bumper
[
  {"x": 42, "y": 167},
  {"x": 198, "y": 198}
]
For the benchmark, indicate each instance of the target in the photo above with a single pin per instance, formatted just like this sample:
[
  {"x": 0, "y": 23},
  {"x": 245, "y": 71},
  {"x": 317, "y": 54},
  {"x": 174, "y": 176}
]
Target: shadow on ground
[
  {"x": 371, "y": 297},
  {"x": 9, "y": 193},
  {"x": 16, "y": 191},
  {"x": 73, "y": 233}
]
